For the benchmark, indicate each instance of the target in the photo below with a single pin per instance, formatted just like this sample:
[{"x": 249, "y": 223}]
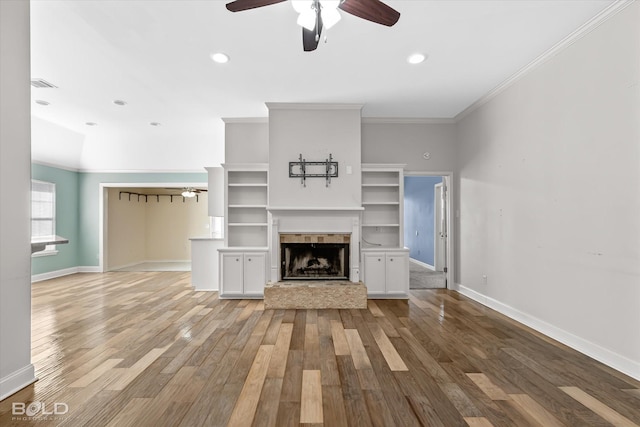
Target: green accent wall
[{"x": 78, "y": 211}]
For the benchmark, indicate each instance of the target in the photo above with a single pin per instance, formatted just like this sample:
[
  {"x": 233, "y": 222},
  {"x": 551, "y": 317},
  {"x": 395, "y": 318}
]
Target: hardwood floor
[{"x": 144, "y": 349}]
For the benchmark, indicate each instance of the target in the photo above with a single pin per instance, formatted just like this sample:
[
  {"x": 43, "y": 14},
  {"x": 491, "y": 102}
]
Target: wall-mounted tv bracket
[{"x": 302, "y": 168}]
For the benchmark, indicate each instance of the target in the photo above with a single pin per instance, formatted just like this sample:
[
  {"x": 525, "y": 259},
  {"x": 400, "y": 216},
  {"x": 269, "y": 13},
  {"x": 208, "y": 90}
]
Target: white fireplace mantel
[{"x": 313, "y": 220}]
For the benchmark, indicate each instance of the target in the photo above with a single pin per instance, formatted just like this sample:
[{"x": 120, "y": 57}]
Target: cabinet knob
[
  {"x": 391, "y": 259},
  {"x": 237, "y": 259},
  {"x": 248, "y": 259},
  {"x": 379, "y": 259}
]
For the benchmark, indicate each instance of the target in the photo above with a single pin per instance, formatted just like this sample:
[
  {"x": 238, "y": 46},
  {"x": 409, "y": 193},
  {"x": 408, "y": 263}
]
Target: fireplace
[{"x": 314, "y": 256}]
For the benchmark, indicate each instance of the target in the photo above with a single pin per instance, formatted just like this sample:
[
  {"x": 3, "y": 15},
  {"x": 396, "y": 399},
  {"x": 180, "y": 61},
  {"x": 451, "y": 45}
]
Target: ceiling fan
[
  {"x": 316, "y": 13},
  {"x": 188, "y": 191}
]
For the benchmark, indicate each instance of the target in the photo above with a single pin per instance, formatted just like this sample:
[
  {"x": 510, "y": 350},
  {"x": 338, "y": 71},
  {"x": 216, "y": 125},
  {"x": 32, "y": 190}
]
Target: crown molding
[
  {"x": 311, "y": 106},
  {"x": 168, "y": 171},
  {"x": 53, "y": 165},
  {"x": 408, "y": 120},
  {"x": 228, "y": 120},
  {"x": 582, "y": 31}
]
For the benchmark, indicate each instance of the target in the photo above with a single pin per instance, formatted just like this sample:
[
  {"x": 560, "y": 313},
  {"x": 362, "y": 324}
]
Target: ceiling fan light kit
[{"x": 316, "y": 14}]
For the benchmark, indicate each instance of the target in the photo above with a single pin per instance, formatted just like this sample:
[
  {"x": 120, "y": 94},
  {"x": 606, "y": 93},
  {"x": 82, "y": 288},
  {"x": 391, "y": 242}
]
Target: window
[{"x": 43, "y": 212}]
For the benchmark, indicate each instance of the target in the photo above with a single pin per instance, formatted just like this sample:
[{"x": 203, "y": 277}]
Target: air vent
[{"x": 42, "y": 84}]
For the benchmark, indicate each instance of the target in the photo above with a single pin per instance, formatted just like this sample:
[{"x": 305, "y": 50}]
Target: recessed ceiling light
[
  {"x": 416, "y": 58},
  {"x": 220, "y": 58},
  {"x": 120, "y": 102},
  {"x": 155, "y": 124},
  {"x": 91, "y": 124},
  {"x": 42, "y": 102}
]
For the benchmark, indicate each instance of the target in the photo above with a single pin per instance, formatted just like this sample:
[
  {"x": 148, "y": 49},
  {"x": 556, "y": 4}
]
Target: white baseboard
[
  {"x": 64, "y": 272},
  {"x": 423, "y": 264},
  {"x": 601, "y": 354},
  {"x": 53, "y": 274},
  {"x": 17, "y": 381}
]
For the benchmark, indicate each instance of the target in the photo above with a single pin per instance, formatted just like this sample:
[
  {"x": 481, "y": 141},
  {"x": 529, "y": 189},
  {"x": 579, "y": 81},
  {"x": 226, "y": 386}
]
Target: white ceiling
[{"x": 155, "y": 56}]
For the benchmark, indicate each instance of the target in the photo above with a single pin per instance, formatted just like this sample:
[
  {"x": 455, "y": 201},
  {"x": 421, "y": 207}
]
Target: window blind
[{"x": 43, "y": 208}]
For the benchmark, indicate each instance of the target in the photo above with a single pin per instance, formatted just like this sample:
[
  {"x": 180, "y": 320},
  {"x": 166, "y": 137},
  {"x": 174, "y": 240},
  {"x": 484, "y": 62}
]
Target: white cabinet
[
  {"x": 254, "y": 273},
  {"x": 204, "y": 263},
  {"x": 243, "y": 274},
  {"x": 374, "y": 273},
  {"x": 386, "y": 273}
]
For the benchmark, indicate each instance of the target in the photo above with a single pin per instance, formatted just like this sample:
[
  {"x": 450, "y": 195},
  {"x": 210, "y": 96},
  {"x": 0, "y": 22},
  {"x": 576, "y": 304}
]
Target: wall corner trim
[
  {"x": 583, "y": 30},
  {"x": 601, "y": 354},
  {"x": 17, "y": 381}
]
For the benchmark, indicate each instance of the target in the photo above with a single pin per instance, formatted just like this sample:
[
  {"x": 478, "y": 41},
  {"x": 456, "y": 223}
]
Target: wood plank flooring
[{"x": 144, "y": 349}]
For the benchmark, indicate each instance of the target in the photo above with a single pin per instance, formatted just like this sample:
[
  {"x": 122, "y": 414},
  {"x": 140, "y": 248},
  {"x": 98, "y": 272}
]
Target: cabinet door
[
  {"x": 374, "y": 273},
  {"x": 231, "y": 274},
  {"x": 397, "y": 273},
  {"x": 254, "y": 273}
]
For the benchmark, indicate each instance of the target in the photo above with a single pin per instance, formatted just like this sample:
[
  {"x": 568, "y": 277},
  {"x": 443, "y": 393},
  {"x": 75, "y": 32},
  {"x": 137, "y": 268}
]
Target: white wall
[
  {"x": 549, "y": 193},
  {"x": 53, "y": 144},
  {"x": 16, "y": 370},
  {"x": 398, "y": 142},
  {"x": 315, "y": 131}
]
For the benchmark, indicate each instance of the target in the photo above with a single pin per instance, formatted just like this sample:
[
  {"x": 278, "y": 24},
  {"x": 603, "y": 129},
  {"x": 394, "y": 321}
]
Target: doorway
[
  {"x": 426, "y": 234},
  {"x": 147, "y": 227}
]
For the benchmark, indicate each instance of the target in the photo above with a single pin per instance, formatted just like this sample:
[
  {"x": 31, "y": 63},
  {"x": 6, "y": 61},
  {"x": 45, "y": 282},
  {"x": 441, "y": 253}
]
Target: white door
[
  {"x": 440, "y": 235},
  {"x": 254, "y": 273},
  {"x": 374, "y": 273},
  {"x": 397, "y": 268},
  {"x": 231, "y": 274}
]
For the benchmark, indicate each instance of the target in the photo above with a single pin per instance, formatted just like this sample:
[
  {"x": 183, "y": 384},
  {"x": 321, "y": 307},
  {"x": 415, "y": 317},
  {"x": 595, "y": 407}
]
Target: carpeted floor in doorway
[{"x": 422, "y": 278}]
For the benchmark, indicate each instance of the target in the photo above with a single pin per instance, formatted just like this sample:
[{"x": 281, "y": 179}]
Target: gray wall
[
  {"x": 397, "y": 142},
  {"x": 246, "y": 141},
  {"x": 315, "y": 132},
  {"x": 559, "y": 245}
]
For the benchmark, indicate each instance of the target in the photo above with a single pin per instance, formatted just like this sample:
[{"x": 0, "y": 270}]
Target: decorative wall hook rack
[
  {"x": 303, "y": 169},
  {"x": 145, "y": 197}
]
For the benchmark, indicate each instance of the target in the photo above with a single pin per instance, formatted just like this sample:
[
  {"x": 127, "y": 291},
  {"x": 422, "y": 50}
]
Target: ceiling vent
[{"x": 41, "y": 84}]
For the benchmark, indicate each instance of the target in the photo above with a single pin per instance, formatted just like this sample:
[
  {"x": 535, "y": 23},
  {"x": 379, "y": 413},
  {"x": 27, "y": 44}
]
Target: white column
[{"x": 16, "y": 370}]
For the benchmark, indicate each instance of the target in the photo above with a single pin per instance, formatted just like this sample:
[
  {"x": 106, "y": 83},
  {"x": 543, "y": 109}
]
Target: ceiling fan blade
[
  {"x": 310, "y": 38},
  {"x": 371, "y": 10},
  {"x": 239, "y": 5}
]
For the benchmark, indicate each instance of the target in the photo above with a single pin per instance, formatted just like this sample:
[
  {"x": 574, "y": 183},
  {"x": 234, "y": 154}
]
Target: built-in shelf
[
  {"x": 246, "y": 202},
  {"x": 382, "y": 199},
  {"x": 315, "y": 208},
  {"x": 379, "y": 203}
]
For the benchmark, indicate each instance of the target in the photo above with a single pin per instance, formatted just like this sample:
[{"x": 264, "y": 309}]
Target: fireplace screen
[{"x": 315, "y": 261}]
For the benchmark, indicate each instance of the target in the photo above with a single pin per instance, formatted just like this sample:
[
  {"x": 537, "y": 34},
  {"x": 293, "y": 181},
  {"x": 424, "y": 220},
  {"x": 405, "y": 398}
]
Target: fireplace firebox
[{"x": 314, "y": 257}]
